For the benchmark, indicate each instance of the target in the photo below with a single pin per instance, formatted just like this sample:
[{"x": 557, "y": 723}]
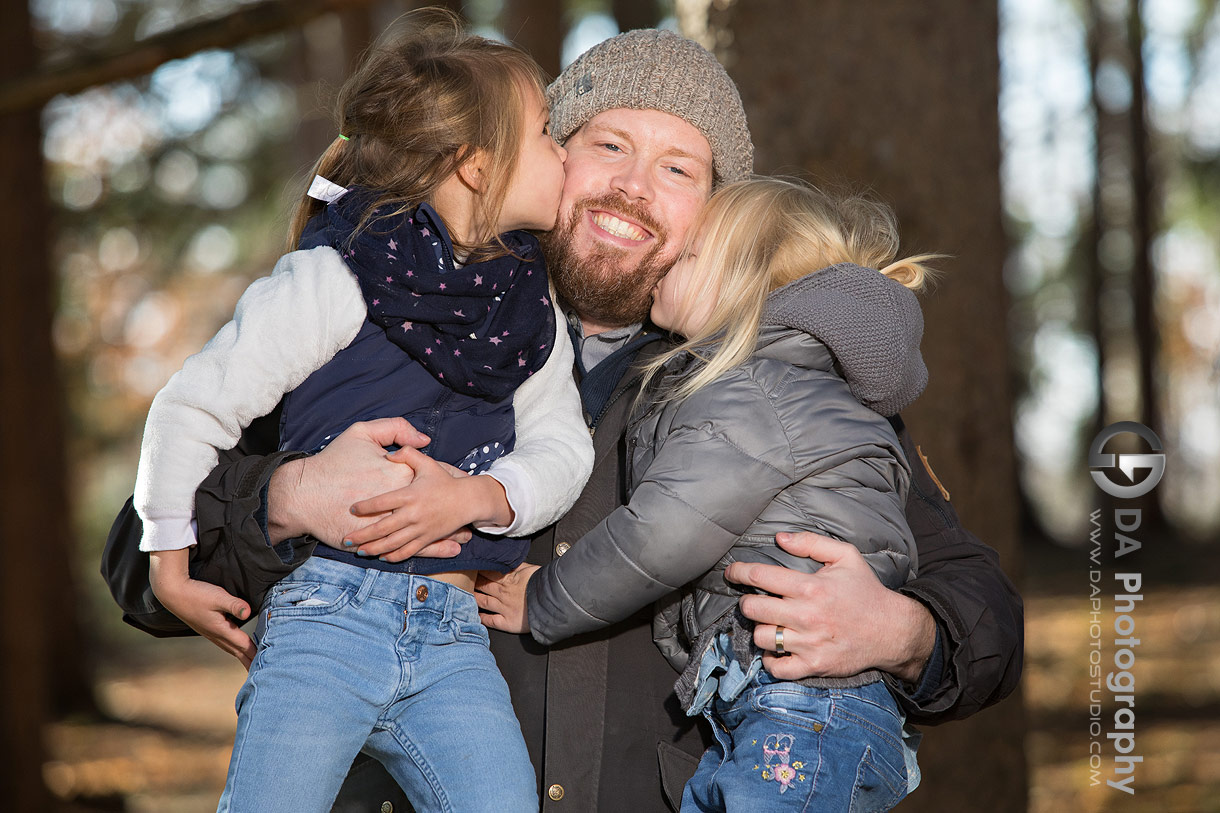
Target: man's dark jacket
[{"x": 600, "y": 718}]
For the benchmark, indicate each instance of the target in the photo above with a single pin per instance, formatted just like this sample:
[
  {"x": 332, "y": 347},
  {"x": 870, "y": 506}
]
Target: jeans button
[
  {"x": 421, "y": 593},
  {"x": 555, "y": 792},
  {"x": 562, "y": 548},
  {"x": 386, "y": 807}
]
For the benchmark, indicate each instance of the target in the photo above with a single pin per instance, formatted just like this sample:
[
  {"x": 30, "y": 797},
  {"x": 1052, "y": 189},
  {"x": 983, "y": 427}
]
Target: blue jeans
[
  {"x": 784, "y": 746},
  {"x": 394, "y": 664}
]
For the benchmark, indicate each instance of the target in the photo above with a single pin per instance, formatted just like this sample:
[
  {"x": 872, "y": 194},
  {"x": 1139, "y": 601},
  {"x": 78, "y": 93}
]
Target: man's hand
[
  {"x": 438, "y": 503},
  {"x": 313, "y": 495},
  {"x": 206, "y": 608},
  {"x": 838, "y": 621},
  {"x": 501, "y": 598}
]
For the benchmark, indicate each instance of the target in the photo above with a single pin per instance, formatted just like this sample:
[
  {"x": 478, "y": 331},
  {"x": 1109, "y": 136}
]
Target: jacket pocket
[{"x": 677, "y": 767}]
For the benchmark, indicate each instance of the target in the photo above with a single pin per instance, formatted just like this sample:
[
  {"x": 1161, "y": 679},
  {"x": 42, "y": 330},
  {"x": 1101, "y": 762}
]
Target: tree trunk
[
  {"x": 633, "y": 14},
  {"x": 1095, "y": 270},
  {"x": 903, "y": 98},
  {"x": 1143, "y": 278},
  {"x": 1124, "y": 195},
  {"x": 1104, "y": 125},
  {"x": 38, "y": 635},
  {"x": 537, "y": 27},
  {"x": 324, "y": 53}
]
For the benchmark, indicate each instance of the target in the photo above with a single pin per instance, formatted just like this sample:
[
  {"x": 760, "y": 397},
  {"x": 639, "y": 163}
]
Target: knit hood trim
[{"x": 871, "y": 324}]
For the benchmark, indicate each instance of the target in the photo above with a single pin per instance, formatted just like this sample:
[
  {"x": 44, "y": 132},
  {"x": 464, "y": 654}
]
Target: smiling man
[
  {"x": 634, "y": 188},
  {"x": 652, "y": 124}
]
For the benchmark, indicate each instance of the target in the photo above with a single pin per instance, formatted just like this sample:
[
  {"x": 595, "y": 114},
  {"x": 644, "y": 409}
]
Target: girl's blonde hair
[
  {"x": 421, "y": 103},
  {"x": 761, "y": 234}
]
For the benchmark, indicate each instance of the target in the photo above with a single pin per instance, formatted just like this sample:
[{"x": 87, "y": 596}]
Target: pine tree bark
[
  {"x": 538, "y": 28},
  {"x": 42, "y": 653},
  {"x": 903, "y": 98},
  {"x": 633, "y": 14},
  {"x": 1143, "y": 274}
]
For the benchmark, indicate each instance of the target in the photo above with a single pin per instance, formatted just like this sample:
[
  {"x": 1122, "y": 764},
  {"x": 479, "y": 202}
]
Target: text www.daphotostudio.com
[{"x": 1117, "y": 578}]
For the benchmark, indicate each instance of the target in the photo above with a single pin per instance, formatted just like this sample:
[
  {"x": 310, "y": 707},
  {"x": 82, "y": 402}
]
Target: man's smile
[{"x": 617, "y": 227}]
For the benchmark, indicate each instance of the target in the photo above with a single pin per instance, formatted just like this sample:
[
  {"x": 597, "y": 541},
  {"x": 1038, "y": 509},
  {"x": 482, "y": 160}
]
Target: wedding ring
[{"x": 779, "y": 641}]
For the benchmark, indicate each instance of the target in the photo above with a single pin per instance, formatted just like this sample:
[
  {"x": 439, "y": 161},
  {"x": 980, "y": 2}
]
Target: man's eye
[
  {"x": 678, "y": 171},
  {"x": 612, "y": 147}
]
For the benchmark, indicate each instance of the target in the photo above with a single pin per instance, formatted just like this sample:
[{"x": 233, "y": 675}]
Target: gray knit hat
[{"x": 652, "y": 69}]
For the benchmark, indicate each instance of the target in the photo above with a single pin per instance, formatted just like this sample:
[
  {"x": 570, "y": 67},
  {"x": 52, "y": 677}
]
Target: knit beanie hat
[{"x": 652, "y": 69}]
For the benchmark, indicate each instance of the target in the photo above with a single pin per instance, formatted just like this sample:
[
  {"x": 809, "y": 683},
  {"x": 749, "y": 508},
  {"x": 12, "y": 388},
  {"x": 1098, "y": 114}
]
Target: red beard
[{"x": 601, "y": 287}]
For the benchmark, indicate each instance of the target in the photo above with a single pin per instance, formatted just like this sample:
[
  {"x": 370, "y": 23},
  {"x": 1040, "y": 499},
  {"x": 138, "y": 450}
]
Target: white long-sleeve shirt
[{"x": 285, "y": 327}]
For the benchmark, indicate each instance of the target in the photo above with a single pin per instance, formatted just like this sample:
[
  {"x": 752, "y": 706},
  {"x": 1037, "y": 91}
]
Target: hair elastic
[{"x": 345, "y": 138}]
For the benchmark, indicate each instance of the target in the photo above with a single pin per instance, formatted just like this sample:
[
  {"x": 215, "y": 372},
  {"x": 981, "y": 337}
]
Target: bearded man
[{"x": 652, "y": 125}]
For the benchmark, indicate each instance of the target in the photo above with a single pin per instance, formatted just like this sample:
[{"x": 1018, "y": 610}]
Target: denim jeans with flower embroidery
[{"x": 784, "y": 746}]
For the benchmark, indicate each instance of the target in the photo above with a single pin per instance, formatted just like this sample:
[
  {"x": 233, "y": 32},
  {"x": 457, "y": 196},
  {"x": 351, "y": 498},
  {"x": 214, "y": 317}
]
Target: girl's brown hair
[{"x": 420, "y": 104}]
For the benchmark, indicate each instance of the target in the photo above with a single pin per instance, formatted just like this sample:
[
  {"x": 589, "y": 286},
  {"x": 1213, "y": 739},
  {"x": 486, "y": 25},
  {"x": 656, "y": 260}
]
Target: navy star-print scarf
[{"x": 481, "y": 329}]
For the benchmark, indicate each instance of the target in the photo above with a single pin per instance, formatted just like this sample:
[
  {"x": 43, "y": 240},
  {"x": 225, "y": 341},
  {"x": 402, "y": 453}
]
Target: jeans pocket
[
  {"x": 873, "y": 708},
  {"x": 300, "y": 598},
  {"x": 793, "y": 704},
  {"x": 878, "y": 786}
]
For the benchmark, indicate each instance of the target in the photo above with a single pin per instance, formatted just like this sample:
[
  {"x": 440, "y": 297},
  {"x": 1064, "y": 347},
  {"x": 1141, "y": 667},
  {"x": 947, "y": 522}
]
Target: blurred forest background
[{"x": 1065, "y": 153}]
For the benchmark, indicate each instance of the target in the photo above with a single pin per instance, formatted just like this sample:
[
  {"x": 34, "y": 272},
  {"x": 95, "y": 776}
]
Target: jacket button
[
  {"x": 386, "y": 807},
  {"x": 555, "y": 792},
  {"x": 421, "y": 593},
  {"x": 562, "y": 548}
]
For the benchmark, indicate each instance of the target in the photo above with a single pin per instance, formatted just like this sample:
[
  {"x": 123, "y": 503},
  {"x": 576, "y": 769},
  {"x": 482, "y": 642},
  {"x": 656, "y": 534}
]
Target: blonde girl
[
  {"x": 769, "y": 417},
  {"x": 416, "y": 294}
]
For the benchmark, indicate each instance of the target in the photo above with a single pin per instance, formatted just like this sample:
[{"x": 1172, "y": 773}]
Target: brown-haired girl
[
  {"x": 768, "y": 418},
  {"x": 443, "y": 316}
]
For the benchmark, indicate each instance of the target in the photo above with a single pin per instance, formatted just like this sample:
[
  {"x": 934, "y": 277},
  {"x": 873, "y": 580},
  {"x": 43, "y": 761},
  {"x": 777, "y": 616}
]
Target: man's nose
[{"x": 633, "y": 181}]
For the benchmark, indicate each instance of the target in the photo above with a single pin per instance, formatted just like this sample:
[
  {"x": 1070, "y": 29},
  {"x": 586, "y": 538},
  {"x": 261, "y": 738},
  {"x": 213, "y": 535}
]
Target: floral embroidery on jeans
[{"x": 778, "y": 765}]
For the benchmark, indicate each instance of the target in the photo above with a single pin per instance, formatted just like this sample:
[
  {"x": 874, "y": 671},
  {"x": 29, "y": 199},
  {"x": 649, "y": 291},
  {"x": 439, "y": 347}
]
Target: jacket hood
[{"x": 871, "y": 324}]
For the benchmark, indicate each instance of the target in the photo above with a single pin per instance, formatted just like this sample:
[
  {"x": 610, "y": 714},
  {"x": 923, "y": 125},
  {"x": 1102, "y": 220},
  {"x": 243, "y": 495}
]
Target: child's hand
[
  {"x": 438, "y": 503},
  {"x": 209, "y": 610},
  {"x": 501, "y": 598},
  {"x": 313, "y": 494}
]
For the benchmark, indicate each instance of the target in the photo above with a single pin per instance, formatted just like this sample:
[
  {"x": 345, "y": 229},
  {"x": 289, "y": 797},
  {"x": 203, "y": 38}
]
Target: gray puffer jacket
[{"x": 781, "y": 443}]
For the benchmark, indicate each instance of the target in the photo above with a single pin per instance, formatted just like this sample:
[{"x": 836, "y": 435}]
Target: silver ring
[{"x": 779, "y": 641}]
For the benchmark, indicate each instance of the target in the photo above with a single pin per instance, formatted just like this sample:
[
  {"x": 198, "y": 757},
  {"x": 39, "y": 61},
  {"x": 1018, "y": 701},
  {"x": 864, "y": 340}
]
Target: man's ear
[{"x": 471, "y": 172}]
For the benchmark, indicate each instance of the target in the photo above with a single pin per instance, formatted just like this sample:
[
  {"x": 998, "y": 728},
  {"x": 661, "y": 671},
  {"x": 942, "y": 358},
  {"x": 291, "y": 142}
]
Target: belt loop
[
  {"x": 450, "y": 597},
  {"x": 366, "y": 586}
]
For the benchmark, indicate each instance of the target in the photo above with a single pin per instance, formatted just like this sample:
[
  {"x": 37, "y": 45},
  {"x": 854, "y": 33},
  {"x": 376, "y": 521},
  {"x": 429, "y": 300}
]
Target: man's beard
[{"x": 601, "y": 287}]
